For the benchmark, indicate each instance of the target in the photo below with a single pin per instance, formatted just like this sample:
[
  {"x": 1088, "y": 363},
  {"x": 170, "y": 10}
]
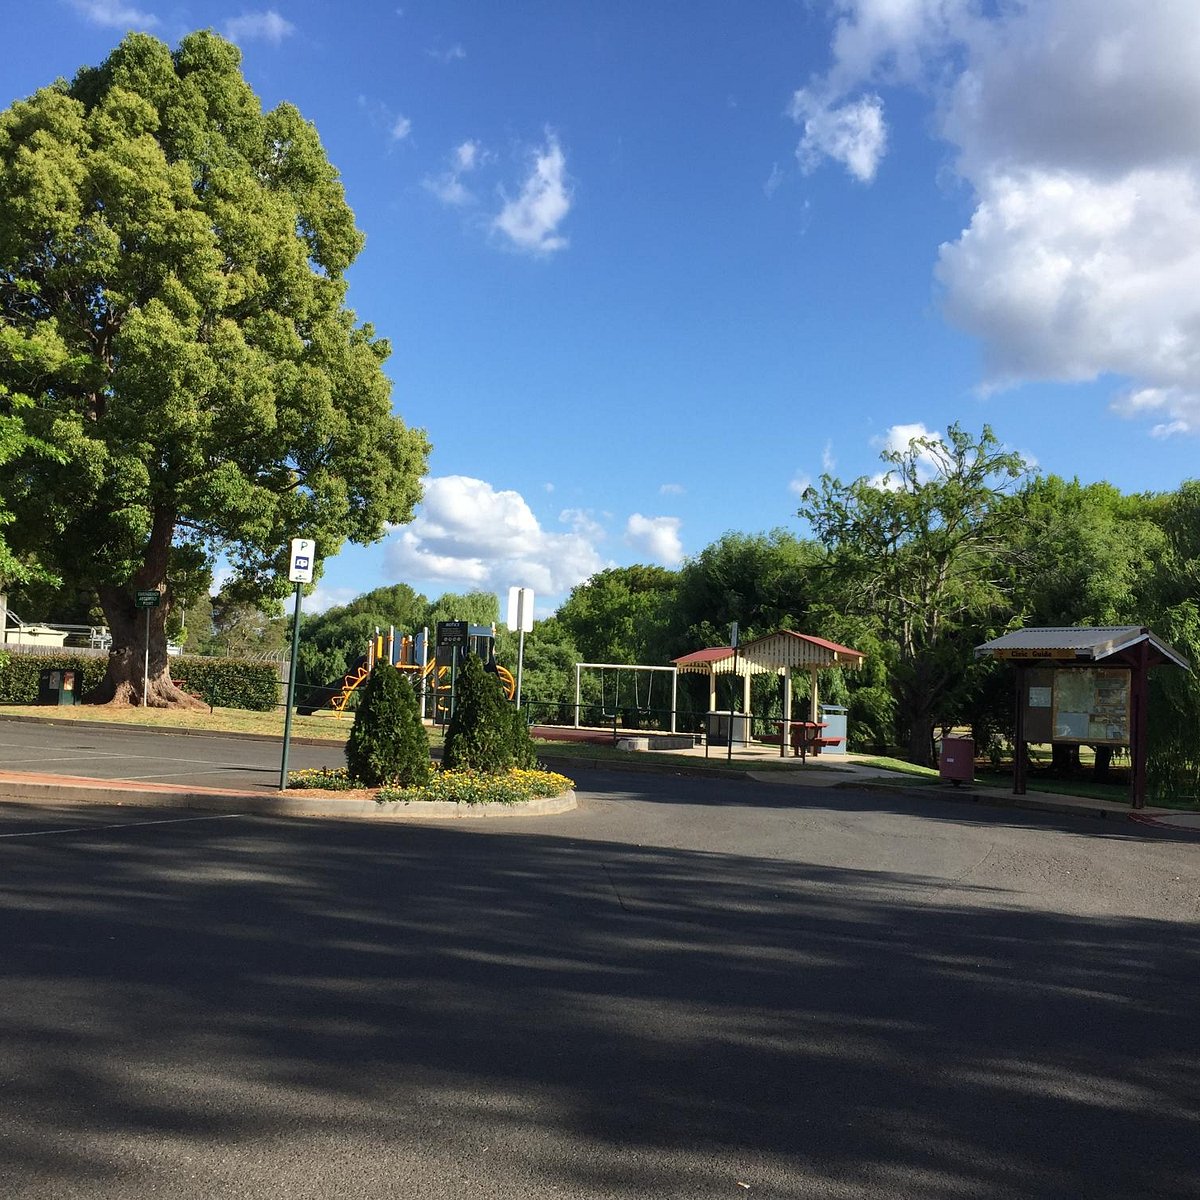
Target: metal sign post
[
  {"x": 146, "y": 600},
  {"x": 520, "y": 618},
  {"x": 303, "y": 552}
]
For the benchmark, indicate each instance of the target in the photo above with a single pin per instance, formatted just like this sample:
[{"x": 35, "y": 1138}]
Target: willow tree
[{"x": 172, "y": 306}]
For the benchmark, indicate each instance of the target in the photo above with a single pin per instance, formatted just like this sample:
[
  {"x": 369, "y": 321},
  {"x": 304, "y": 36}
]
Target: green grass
[
  {"x": 222, "y": 720},
  {"x": 901, "y": 767}
]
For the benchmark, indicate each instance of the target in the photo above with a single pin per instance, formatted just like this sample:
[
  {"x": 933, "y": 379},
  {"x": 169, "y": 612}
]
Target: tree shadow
[{"x": 304, "y": 1008}]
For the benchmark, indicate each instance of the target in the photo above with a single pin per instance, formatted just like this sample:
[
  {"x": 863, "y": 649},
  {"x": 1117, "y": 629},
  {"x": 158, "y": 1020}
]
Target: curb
[
  {"x": 16, "y": 789},
  {"x": 1003, "y": 800}
]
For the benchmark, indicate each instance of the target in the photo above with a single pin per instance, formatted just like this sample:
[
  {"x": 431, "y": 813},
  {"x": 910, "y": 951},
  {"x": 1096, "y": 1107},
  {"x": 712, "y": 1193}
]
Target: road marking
[{"x": 124, "y": 825}]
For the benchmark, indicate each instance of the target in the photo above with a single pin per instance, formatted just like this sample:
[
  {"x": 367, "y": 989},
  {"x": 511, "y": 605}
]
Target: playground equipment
[
  {"x": 430, "y": 672},
  {"x": 641, "y": 701}
]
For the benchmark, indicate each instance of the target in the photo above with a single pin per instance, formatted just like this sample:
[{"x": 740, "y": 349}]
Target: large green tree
[
  {"x": 172, "y": 301},
  {"x": 920, "y": 552}
]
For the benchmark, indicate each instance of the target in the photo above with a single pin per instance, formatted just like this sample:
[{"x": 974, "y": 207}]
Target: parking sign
[{"x": 304, "y": 550}]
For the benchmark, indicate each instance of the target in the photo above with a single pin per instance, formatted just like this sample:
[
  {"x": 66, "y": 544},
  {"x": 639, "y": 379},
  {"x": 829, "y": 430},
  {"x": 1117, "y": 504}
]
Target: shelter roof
[
  {"x": 786, "y": 648},
  {"x": 716, "y": 660},
  {"x": 1081, "y": 643},
  {"x": 773, "y": 653}
]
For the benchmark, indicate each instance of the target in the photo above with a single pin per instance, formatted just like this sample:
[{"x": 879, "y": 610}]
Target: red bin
[{"x": 957, "y": 760}]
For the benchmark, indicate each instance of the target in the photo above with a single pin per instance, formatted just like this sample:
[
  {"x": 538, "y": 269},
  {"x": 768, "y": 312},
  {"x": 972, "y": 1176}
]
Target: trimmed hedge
[
  {"x": 229, "y": 682},
  {"x": 220, "y": 682},
  {"x": 19, "y": 673}
]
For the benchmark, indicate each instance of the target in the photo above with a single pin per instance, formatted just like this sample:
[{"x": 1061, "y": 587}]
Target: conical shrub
[
  {"x": 524, "y": 751},
  {"x": 480, "y": 735},
  {"x": 388, "y": 743}
]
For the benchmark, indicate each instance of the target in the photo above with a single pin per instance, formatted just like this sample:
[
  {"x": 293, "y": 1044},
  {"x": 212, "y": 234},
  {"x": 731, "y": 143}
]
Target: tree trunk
[
  {"x": 920, "y": 739},
  {"x": 128, "y": 662},
  {"x": 1064, "y": 758}
]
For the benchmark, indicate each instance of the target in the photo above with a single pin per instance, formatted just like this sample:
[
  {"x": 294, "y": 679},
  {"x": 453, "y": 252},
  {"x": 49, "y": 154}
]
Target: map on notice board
[{"x": 1091, "y": 704}]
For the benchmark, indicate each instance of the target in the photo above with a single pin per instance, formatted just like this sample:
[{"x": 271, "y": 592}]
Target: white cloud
[
  {"x": 114, "y": 14},
  {"x": 266, "y": 26},
  {"x": 449, "y": 187},
  {"x": 452, "y": 54},
  {"x": 656, "y": 537},
  {"x": 672, "y": 489},
  {"x": 799, "y": 484},
  {"x": 583, "y": 521},
  {"x": 854, "y": 134},
  {"x": 1076, "y": 128},
  {"x": 323, "y": 598},
  {"x": 828, "y": 462},
  {"x": 467, "y": 534},
  {"x": 401, "y": 128},
  {"x": 771, "y": 186},
  {"x": 897, "y": 440},
  {"x": 530, "y": 221}
]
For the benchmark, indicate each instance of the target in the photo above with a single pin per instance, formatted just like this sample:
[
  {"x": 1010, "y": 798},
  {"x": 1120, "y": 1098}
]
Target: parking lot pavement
[
  {"x": 684, "y": 986},
  {"x": 153, "y": 756}
]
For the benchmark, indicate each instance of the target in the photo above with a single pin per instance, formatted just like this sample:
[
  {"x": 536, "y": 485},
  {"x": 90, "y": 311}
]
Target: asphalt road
[
  {"x": 97, "y": 752},
  {"x": 684, "y": 989}
]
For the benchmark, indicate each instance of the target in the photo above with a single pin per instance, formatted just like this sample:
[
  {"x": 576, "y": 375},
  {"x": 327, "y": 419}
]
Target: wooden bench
[{"x": 818, "y": 743}]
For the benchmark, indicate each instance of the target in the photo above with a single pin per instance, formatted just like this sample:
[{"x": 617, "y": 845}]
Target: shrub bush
[
  {"x": 480, "y": 735},
  {"x": 524, "y": 751},
  {"x": 388, "y": 743},
  {"x": 227, "y": 682},
  {"x": 19, "y": 673}
]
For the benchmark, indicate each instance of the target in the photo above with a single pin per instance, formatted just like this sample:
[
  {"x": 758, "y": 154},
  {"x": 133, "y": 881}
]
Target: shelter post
[
  {"x": 1140, "y": 688},
  {"x": 1021, "y": 749}
]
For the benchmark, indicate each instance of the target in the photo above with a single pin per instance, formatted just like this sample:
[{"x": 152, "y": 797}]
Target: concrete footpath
[{"x": 20, "y": 784}]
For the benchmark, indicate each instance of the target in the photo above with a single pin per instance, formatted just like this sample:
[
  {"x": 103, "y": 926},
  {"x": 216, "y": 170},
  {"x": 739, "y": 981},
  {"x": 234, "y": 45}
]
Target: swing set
[{"x": 640, "y": 705}]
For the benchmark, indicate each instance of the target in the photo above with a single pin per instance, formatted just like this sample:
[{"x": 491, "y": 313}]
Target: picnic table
[{"x": 804, "y": 736}]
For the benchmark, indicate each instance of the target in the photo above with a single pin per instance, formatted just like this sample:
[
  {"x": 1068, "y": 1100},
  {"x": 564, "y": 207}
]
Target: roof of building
[
  {"x": 774, "y": 652},
  {"x": 1080, "y": 643}
]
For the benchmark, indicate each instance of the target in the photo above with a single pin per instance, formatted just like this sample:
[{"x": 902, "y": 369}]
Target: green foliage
[
  {"x": 172, "y": 278},
  {"x": 388, "y": 743},
  {"x": 916, "y": 553},
  {"x": 229, "y": 682},
  {"x": 480, "y": 787},
  {"x": 19, "y": 673},
  {"x": 621, "y": 615},
  {"x": 480, "y": 735},
  {"x": 220, "y": 682},
  {"x": 764, "y": 582},
  {"x": 524, "y": 752}
]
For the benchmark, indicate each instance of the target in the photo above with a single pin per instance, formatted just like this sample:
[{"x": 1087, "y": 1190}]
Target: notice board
[{"x": 1091, "y": 704}]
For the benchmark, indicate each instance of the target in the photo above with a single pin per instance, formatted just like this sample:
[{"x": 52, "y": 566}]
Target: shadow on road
[{"x": 578, "y": 1018}]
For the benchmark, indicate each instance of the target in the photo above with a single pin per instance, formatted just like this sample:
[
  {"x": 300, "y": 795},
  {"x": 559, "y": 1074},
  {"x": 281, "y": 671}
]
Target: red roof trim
[{"x": 712, "y": 654}]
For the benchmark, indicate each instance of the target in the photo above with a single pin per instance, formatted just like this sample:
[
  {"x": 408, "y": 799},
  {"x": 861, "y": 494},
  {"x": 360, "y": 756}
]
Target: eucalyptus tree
[
  {"x": 920, "y": 552},
  {"x": 172, "y": 304}
]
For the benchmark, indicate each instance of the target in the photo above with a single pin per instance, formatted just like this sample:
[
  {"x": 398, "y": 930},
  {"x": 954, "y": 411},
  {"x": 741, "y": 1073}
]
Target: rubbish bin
[
  {"x": 58, "y": 686},
  {"x": 834, "y": 718},
  {"x": 717, "y": 725},
  {"x": 957, "y": 760}
]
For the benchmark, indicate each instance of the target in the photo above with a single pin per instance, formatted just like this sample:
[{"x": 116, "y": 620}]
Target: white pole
[
  {"x": 146, "y": 660},
  {"x": 674, "y": 694},
  {"x": 576, "y": 695}
]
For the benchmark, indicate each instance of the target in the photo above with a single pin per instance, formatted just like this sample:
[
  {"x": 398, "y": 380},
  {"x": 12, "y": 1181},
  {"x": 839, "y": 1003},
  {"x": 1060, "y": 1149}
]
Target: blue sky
[{"x": 648, "y": 268}]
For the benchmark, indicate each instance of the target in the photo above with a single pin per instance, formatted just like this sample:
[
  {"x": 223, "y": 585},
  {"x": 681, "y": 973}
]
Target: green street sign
[{"x": 147, "y": 599}]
